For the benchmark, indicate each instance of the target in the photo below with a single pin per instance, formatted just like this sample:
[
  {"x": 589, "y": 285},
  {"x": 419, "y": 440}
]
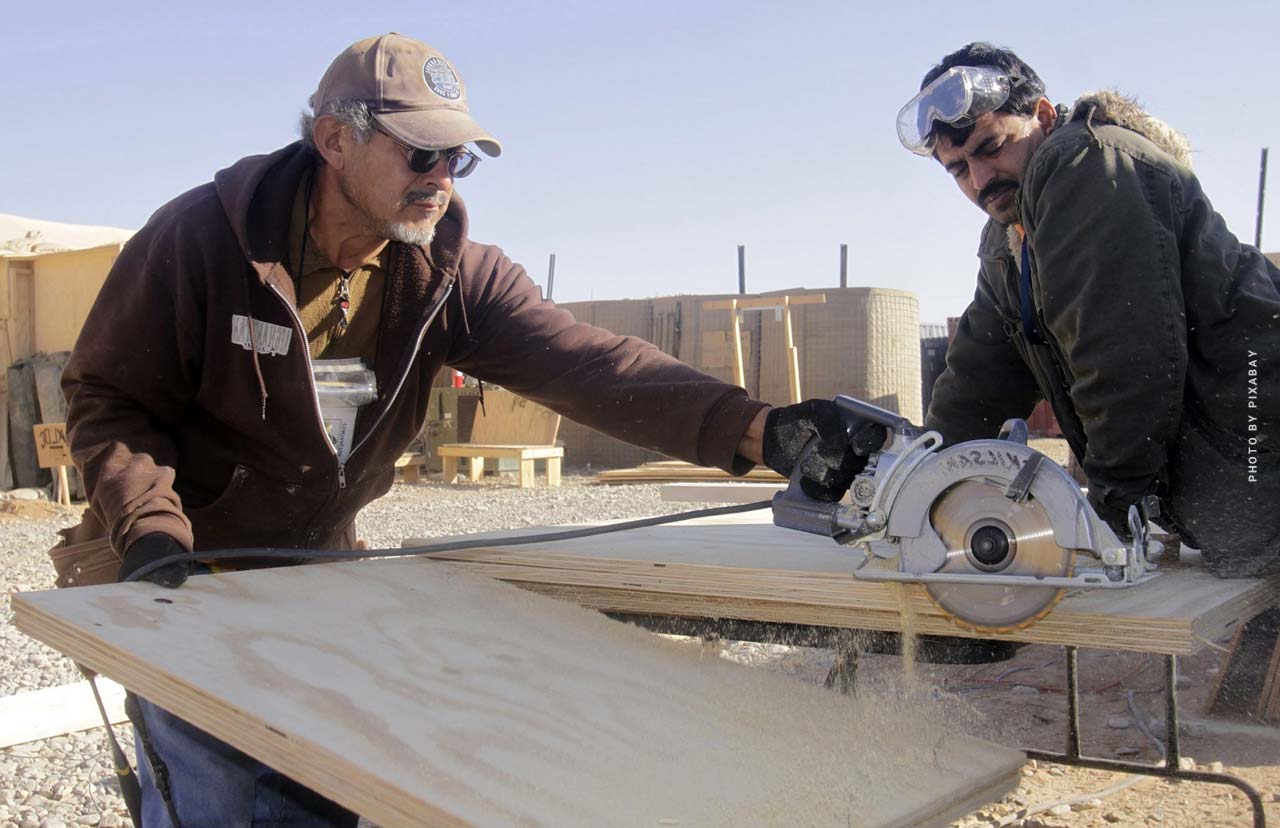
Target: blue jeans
[{"x": 213, "y": 785}]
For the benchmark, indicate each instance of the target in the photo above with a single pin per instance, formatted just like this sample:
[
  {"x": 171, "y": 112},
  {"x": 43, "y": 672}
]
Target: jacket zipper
[{"x": 315, "y": 394}]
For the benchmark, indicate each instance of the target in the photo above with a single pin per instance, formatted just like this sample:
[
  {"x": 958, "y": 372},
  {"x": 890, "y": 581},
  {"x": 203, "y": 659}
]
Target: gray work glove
[
  {"x": 844, "y": 442},
  {"x": 153, "y": 547}
]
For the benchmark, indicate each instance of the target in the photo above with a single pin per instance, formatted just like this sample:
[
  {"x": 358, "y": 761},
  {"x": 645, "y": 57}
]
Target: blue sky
[{"x": 643, "y": 141}]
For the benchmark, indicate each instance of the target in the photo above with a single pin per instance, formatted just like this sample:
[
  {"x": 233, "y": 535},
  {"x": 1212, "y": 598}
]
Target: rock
[
  {"x": 89, "y": 819},
  {"x": 1023, "y": 690},
  {"x": 1119, "y": 722},
  {"x": 1215, "y": 767},
  {"x": 1088, "y": 805},
  {"x": 1186, "y": 763},
  {"x": 1059, "y": 810},
  {"x": 110, "y": 820},
  {"x": 1056, "y": 770},
  {"x": 1116, "y": 816}
]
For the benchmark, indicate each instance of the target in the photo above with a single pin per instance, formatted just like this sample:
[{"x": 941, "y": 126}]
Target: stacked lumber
[
  {"x": 743, "y": 567},
  {"x": 674, "y": 471},
  {"x": 435, "y": 697}
]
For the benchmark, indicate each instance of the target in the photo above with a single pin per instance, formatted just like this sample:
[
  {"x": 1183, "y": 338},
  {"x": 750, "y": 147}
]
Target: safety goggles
[
  {"x": 462, "y": 161},
  {"x": 959, "y": 96}
]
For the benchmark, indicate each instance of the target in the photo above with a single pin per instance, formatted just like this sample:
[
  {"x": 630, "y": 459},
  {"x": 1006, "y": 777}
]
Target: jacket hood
[
  {"x": 1111, "y": 107},
  {"x": 257, "y": 195}
]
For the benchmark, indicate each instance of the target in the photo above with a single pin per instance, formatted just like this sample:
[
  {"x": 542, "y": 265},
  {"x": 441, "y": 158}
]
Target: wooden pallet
[{"x": 416, "y": 694}]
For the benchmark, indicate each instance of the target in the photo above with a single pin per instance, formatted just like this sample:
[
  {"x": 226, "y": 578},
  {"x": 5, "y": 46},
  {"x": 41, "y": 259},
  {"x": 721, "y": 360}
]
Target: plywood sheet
[
  {"x": 741, "y": 566},
  {"x": 419, "y": 694}
]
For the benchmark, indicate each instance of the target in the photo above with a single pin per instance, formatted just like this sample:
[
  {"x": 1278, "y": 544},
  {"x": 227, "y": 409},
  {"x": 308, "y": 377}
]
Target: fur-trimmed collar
[{"x": 1112, "y": 107}]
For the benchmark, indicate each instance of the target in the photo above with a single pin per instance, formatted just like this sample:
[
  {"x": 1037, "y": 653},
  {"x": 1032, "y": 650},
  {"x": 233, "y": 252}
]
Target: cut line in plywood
[
  {"x": 743, "y": 567},
  {"x": 435, "y": 697}
]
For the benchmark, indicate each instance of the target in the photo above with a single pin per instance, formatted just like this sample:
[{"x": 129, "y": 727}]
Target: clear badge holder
[{"x": 343, "y": 386}]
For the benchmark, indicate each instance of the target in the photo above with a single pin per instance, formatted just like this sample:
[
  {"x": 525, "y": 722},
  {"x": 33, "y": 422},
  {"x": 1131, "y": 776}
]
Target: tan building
[
  {"x": 864, "y": 342},
  {"x": 50, "y": 274}
]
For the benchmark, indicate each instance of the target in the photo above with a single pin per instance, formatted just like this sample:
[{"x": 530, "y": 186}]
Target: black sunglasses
[{"x": 462, "y": 161}]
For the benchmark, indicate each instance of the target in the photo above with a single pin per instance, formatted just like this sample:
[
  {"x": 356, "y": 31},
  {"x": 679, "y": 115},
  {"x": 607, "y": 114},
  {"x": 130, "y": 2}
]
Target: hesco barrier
[{"x": 864, "y": 342}]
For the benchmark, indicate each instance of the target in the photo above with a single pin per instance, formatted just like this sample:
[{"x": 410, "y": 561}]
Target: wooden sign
[{"x": 51, "y": 445}]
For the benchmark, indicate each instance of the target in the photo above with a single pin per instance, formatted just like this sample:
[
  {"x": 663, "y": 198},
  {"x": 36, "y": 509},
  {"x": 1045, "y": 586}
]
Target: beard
[
  {"x": 419, "y": 233},
  {"x": 405, "y": 233}
]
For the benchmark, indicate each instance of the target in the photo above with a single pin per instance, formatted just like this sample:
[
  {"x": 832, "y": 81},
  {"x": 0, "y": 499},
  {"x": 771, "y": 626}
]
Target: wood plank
[
  {"x": 508, "y": 418},
  {"x": 56, "y": 711},
  {"x": 741, "y": 566},
  {"x": 23, "y": 416},
  {"x": 518, "y": 451},
  {"x": 434, "y": 697},
  {"x": 6, "y": 470},
  {"x": 675, "y": 470},
  {"x": 762, "y": 302},
  {"x": 718, "y": 492}
]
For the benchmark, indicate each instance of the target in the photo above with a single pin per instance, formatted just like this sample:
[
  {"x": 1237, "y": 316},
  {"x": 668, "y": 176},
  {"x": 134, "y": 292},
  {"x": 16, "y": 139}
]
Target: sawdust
[{"x": 902, "y": 593}]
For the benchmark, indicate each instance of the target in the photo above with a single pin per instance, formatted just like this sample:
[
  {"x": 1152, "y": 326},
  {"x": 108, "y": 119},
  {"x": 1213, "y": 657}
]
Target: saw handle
[
  {"x": 795, "y": 509},
  {"x": 853, "y": 411}
]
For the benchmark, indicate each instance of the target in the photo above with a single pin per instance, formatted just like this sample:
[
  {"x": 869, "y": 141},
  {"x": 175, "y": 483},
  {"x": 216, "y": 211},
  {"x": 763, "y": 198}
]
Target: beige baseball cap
[{"x": 411, "y": 89}]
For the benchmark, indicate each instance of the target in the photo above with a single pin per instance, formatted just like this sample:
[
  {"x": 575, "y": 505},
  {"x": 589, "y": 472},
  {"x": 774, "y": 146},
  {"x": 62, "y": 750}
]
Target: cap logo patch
[{"x": 441, "y": 79}]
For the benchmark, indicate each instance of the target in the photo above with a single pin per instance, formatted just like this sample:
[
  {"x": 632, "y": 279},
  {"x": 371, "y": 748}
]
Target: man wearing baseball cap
[{"x": 262, "y": 352}]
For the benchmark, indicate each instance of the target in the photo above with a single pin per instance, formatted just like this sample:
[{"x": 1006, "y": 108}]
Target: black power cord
[{"x": 304, "y": 555}]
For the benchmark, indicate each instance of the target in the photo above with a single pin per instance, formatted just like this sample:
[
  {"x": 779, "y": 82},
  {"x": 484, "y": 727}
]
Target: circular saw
[{"x": 994, "y": 530}]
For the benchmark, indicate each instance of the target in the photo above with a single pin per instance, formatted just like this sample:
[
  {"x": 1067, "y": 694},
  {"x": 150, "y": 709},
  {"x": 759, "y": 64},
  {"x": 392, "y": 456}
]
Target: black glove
[
  {"x": 844, "y": 441},
  {"x": 150, "y": 548}
]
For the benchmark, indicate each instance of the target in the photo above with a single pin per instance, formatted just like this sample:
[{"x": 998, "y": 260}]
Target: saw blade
[{"x": 987, "y": 533}]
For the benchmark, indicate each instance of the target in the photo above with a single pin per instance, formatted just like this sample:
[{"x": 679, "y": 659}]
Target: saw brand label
[
  {"x": 270, "y": 339},
  {"x": 984, "y": 459}
]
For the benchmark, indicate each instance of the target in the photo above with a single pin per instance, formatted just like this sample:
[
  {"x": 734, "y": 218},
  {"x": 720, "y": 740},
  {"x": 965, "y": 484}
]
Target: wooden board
[
  {"x": 23, "y": 415},
  {"x": 418, "y": 694},
  {"x": 507, "y": 418},
  {"x": 51, "y": 445},
  {"x": 55, "y": 711},
  {"x": 665, "y": 471},
  {"x": 6, "y": 469},
  {"x": 741, "y": 566},
  {"x": 719, "y": 492}
]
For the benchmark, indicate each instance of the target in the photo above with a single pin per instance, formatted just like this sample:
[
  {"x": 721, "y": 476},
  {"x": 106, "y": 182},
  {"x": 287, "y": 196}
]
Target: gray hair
[{"x": 354, "y": 114}]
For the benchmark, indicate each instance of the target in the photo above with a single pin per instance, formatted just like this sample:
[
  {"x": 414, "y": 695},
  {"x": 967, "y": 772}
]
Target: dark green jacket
[{"x": 1153, "y": 312}]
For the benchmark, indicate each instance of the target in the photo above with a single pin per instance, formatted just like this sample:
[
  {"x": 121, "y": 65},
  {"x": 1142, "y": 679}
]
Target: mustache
[
  {"x": 996, "y": 188},
  {"x": 424, "y": 197}
]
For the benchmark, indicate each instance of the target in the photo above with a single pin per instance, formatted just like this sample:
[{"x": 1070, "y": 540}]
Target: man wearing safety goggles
[{"x": 1110, "y": 287}]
